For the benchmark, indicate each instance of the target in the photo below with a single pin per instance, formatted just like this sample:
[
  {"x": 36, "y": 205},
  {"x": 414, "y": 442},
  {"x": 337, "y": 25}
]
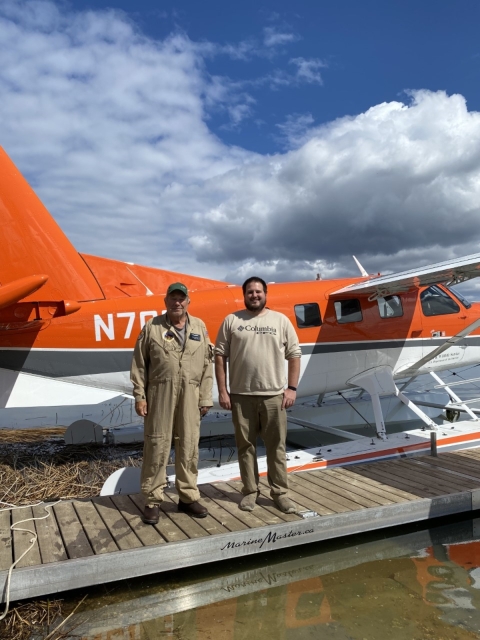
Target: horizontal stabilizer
[
  {"x": 15, "y": 291},
  {"x": 119, "y": 279},
  {"x": 448, "y": 272}
]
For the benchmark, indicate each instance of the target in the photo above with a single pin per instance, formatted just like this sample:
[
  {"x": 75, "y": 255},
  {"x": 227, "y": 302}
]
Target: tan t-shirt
[{"x": 257, "y": 347}]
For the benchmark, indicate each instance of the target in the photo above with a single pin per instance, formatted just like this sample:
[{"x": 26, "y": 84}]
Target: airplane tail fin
[{"x": 34, "y": 250}]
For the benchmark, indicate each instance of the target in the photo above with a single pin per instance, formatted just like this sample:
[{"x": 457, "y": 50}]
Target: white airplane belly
[{"x": 27, "y": 390}]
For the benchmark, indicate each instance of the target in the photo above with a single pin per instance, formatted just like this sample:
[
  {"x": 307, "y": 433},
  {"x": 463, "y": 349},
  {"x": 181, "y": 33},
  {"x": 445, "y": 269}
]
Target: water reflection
[{"x": 420, "y": 585}]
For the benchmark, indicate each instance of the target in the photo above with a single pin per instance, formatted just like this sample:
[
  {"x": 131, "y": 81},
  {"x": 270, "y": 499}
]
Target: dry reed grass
[
  {"x": 24, "y": 619},
  {"x": 36, "y": 465},
  {"x": 34, "y": 468}
]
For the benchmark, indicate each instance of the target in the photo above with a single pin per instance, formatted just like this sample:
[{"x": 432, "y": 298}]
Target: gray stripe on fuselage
[
  {"x": 63, "y": 364},
  {"x": 341, "y": 347}
]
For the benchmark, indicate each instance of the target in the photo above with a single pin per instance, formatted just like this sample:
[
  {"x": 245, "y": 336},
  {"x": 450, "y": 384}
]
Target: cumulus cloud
[
  {"x": 398, "y": 186},
  {"x": 109, "y": 125}
]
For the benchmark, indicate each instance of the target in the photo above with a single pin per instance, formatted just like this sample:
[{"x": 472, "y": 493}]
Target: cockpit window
[
  {"x": 348, "y": 311},
  {"x": 459, "y": 296},
  {"x": 390, "y": 307},
  {"x": 308, "y": 315},
  {"x": 436, "y": 302}
]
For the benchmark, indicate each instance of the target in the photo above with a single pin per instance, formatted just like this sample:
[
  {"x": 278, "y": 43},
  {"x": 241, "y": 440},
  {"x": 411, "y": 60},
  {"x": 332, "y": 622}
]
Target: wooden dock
[{"x": 86, "y": 542}]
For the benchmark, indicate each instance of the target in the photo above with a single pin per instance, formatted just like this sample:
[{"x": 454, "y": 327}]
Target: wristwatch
[{"x": 291, "y": 388}]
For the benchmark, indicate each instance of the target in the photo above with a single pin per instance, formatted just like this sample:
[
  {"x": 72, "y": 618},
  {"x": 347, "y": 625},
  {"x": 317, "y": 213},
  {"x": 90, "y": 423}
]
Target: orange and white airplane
[{"x": 69, "y": 321}]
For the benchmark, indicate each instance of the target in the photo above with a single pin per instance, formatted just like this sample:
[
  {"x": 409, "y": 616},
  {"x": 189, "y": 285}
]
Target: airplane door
[{"x": 442, "y": 317}]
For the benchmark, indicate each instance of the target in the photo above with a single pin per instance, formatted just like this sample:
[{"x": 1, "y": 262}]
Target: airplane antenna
[
  {"x": 148, "y": 292},
  {"x": 362, "y": 270}
]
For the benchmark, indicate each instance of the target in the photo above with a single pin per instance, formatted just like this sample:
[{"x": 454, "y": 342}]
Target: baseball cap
[{"x": 177, "y": 286}]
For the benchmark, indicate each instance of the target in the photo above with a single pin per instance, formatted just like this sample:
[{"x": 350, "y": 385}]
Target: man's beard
[{"x": 260, "y": 306}]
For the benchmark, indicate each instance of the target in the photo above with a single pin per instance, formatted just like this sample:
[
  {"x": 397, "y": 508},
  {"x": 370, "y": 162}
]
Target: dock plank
[
  {"x": 302, "y": 502},
  {"x": 116, "y": 524},
  {"x": 50, "y": 541},
  {"x": 186, "y": 523},
  {"x": 396, "y": 494},
  {"x": 335, "y": 486},
  {"x": 306, "y": 495},
  {"x": 74, "y": 537},
  {"x": 98, "y": 535},
  {"x": 419, "y": 490},
  {"x": 465, "y": 467},
  {"x": 448, "y": 471},
  {"x": 147, "y": 534},
  {"x": 209, "y": 523},
  {"x": 267, "y": 515},
  {"x": 329, "y": 491},
  {"x": 165, "y": 527},
  {"x": 226, "y": 501},
  {"x": 225, "y": 518},
  {"x": 21, "y": 539},
  {"x": 444, "y": 474},
  {"x": 266, "y": 503},
  {"x": 443, "y": 484},
  {"x": 6, "y": 549},
  {"x": 466, "y": 453}
]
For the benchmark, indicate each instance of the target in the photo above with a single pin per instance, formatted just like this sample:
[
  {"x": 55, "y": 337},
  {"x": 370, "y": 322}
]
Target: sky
[{"x": 257, "y": 138}]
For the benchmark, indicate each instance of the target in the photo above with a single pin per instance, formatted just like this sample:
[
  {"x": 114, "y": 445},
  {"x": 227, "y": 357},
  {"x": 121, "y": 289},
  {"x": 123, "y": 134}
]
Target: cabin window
[
  {"x": 348, "y": 311},
  {"x": 390, "y": 307},
  {"x": 436, "y": 302},
  {"x": 308, "y": 315}
]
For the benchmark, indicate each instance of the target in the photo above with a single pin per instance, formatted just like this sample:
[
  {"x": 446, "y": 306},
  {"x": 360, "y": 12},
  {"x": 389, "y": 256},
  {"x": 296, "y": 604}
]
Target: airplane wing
[{"x": 448, "y": 272}]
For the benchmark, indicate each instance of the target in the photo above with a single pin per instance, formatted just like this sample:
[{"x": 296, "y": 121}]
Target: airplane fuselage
[{"x": 93, "y": 346}]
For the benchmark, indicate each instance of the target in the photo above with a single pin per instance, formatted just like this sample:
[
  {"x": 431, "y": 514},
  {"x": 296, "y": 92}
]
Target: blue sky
[
  {"x": 372, "y": 51},
  {"x": 226, "y": 139}
]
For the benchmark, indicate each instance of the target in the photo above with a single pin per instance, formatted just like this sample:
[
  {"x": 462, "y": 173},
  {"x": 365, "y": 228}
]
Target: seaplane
[{"x": 69, "y": 321}]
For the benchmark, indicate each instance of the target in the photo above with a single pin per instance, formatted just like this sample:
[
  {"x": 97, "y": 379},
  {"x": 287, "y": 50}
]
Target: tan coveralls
[{"x": 175, "y": 381}]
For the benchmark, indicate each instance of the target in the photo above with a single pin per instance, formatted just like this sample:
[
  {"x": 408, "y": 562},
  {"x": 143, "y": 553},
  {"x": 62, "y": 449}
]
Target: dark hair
[{"x": 254, "y": 279}]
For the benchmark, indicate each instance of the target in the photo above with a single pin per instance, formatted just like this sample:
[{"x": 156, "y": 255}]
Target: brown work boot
[
  {"x": 151, "y": 513},
  {"x": 247, "y": 503},
  {"x": 284, "y": 504},
  {"x": 194, "y": 509}
]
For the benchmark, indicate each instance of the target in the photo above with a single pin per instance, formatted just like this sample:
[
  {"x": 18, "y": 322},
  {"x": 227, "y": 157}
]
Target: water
[{"x": 416, "y": 584}]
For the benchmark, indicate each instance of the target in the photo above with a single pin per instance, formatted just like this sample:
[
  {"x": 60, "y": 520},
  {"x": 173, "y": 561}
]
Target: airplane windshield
[
  {"x": 459, "y": 296},
  {"x": 436, "y": 302}
]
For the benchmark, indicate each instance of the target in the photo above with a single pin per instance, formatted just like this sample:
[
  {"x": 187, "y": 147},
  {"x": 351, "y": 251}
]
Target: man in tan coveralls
[
  {"x": 172, "y": 375},
  {"x": 257, "y": 342}
]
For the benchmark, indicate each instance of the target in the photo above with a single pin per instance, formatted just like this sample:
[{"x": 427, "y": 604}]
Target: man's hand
[
  {"x": 224, "y": 400},
  {"x": 141, "y": 408},
  {"x": 203, "y": 411},
  {"x": 289, "y": 398}
]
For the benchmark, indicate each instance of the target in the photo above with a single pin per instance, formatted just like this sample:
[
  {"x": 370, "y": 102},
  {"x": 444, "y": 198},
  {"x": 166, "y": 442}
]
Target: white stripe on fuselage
[{"x": 320, "y": 372}]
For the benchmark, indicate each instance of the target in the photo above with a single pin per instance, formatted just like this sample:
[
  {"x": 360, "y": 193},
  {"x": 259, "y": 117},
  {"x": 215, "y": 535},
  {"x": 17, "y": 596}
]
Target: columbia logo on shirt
[{"x": 270, "y": 330}]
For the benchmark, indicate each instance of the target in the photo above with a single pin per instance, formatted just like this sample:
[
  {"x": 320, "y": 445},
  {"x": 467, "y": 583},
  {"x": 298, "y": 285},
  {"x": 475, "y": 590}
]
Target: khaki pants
[
  {"x": 172, "y": 412},
  {"x": 262, "y": 416}
]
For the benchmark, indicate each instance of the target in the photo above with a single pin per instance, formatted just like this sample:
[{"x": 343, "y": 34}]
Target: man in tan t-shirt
[{"x": 257, "y": 341}]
